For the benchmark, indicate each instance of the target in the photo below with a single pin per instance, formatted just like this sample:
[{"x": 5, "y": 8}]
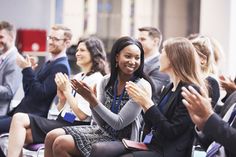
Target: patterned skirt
[{"x": 85, "y": 136}]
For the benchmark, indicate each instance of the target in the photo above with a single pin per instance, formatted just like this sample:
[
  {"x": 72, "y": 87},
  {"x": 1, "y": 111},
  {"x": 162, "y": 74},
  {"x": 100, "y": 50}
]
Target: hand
[
  {"x": 63, "y": 83},
  {"x": 85, "y": 91},
  {"x": 199, "y": 106},
  {"x": 140, "y": 96},
  {"x": 227, "y": 83},
  {"x": 23, "y": 62},
  {"x": 34, "y": 62},
  {"x": 61, "y": 96}
]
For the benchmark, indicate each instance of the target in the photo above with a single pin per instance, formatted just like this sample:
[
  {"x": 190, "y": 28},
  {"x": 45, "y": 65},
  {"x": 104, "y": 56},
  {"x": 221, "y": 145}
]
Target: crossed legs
[
  {"x": 58, "y": 144},
  {"x": 20, "y": 134}
]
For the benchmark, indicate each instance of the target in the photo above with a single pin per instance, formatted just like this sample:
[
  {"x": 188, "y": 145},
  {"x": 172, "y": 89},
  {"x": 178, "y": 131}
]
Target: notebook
[{"x": 134, "y": 145}]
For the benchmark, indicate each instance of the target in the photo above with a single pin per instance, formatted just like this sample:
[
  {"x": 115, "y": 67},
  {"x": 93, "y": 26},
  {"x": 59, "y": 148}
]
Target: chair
[{"x": 32, "y": 150}]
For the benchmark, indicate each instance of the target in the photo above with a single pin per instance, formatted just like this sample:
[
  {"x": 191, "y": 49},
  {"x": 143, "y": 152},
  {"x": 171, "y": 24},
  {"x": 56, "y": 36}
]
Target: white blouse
[{"x": 83, "y": 105}]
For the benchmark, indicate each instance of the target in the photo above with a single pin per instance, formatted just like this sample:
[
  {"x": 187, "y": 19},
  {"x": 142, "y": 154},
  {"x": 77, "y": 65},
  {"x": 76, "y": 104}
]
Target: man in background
[
  {"x": 10, "y": 73},
  {"x": 39, "y": 86},
  {"x": 150, "y": 38}
]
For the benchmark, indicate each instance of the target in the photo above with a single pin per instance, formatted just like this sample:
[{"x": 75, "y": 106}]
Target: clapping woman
[
  {"x": 116, "y": 114},
  {"x": 74, "y": 109}
]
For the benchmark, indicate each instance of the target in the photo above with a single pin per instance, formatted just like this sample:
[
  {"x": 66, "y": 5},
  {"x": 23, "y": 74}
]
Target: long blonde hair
[{"x": 184, "y": 60}]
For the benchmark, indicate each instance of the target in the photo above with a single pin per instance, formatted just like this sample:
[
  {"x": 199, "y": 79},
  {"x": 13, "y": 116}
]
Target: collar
[
  {"x": 3, "y": 56},
  {"x": 61, "y": 54},
  {"x": 157, "y": 54}
]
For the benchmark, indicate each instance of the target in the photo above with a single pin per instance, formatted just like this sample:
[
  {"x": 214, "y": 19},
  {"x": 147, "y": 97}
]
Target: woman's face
[
  {"x": 82, "y": 55},
  {"x": 129, "y": 59},
  {"x": 164, "y": 62}
]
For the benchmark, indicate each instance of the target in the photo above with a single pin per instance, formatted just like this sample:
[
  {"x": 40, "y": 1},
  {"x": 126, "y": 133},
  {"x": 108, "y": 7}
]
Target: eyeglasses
[{"x": 54, "y": 38}]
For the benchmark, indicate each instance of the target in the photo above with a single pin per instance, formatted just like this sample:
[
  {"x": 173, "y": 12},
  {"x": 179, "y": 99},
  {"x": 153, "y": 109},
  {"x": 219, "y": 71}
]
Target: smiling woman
[{"x": 110, "y": 107}]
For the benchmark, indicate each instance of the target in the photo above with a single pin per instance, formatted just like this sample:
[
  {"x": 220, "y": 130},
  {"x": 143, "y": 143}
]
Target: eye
[
  {"x": 127, "y": 56},
  {"x": 137, "y": 58}
]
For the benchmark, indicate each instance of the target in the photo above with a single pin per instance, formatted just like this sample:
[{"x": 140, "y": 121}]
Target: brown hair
[
  {"x": 184, "y": 60},
  {"x": 4, "y": 25},
  {"x": 67, "y": 31},
  {"x": 152, "y": 32}
]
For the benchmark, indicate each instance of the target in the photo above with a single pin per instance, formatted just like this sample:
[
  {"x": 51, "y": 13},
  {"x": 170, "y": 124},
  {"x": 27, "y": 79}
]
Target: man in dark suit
[
  {"x": 39, "y": 87},
  {"x": 10, "y": 75},
  {"x": 150, "y": 38},
  {"x": 212, "y": 126}
]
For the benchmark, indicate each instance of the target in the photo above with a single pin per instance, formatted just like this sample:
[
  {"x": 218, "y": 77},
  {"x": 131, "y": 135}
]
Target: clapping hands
[
  {"x": 198, "y": 105},
  {"x": 85, "y": 91},
  {"x": 140, "y": 96},
  {"x": 26, "y": 62}
]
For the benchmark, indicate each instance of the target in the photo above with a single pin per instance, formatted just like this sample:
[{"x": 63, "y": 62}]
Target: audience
[
  {"x": 212, "y": 126},
  {"x": 39, "y": 87},
  {"x": 10, "y": 75},
  {"x": 74, "y": 110},
  {"x": 116, "y": 114},
  {"x": 150, "y": 38},
  {"x": 168, "y": 127},
  {"x": 138, "y": 83}
]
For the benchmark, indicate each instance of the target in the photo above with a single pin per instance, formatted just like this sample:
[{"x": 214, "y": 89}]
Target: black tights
[
  {"x": 117, "y": 149},
  {"x": 109, "y": 149}
]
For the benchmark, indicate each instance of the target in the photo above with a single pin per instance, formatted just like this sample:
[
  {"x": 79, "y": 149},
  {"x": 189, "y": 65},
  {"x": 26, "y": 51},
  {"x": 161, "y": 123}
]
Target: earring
[{"x": 116, "y": 64}]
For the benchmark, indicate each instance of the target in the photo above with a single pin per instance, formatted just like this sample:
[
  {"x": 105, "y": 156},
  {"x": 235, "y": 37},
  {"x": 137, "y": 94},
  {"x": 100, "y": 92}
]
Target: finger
[
  {"x": 184, "y": 89},
  {"x": 188, "y": 95},
  {"x": 133, "y": 86},
  {"x": 66, "y": 76},
  {"x": 203, "y": 92},
  {"x": 95, "y": 89},
  {"x": 27, "y": 58},
  {"x": 185, "y": 102},
  {"x": 84, "y": 84},
  {"x": 73, "y": 83},
  {"x": 188, "y": 106},
  {"x": 193, "y": 91}
]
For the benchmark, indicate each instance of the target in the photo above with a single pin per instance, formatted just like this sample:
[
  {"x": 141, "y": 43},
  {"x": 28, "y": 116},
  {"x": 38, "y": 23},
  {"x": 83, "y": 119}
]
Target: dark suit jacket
[
  {"x": 228, "y": 103},
  {"x": 40, "y": 88},
  {"x": 222, "y": 133},
  {"x": 159, "y": 79},
  {"x": 173, "y": 128}
]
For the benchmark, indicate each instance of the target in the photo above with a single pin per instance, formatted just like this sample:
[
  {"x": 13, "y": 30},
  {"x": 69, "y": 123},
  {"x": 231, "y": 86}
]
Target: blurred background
[{"x": 110, "y": 19}]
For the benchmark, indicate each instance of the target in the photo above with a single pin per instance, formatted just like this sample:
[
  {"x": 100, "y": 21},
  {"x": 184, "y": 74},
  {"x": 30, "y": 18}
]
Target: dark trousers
[
  {"x": 5, "y": 122},
  {"x": 1, "y": 153}
]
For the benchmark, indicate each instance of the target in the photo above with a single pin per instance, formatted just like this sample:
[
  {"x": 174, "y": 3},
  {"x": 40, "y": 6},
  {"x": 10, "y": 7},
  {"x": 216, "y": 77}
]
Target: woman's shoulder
[
  {"x": 143, "y": 83},
  {"x": 186, "y": 85},
  {"x": 104, "y": 80}
]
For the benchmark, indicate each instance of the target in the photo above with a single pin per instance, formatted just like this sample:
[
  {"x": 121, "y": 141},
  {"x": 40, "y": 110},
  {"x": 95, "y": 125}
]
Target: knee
[
  {"x": 52, "y": 135},
  {"x": 20, "y": 118},
  {"x": 59, "y": 145}
]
